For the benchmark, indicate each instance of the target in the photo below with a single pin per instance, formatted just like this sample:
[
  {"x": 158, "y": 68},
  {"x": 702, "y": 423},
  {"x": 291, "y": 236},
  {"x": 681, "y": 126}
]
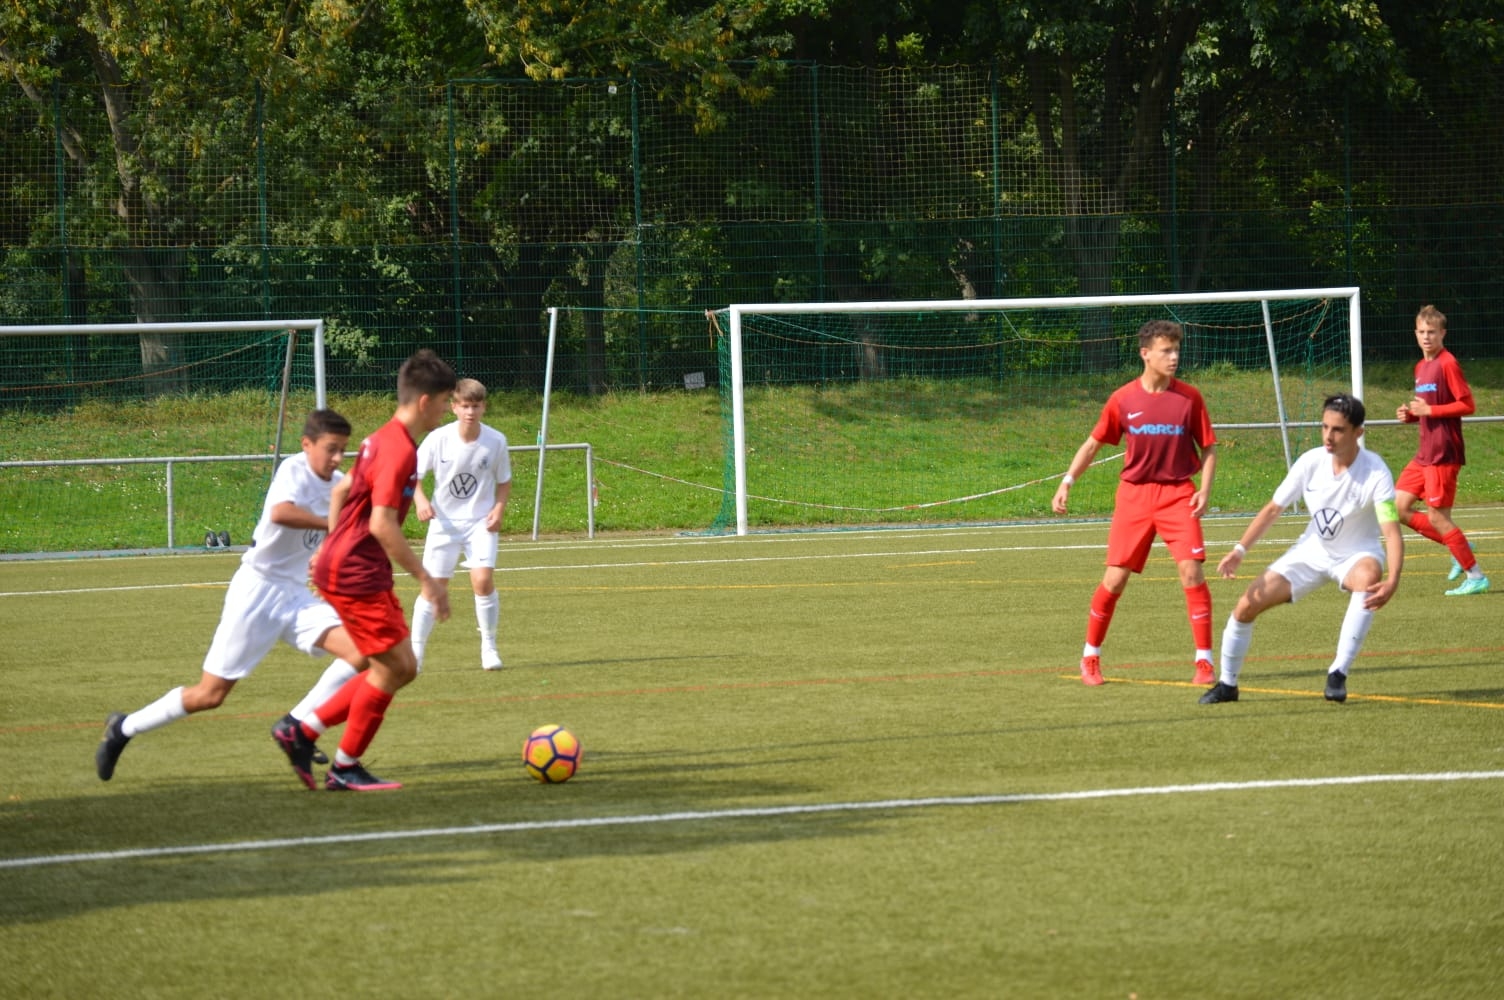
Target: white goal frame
[
  {"x": 737, "y": 311},
  {"x": 316, "y": 326}
]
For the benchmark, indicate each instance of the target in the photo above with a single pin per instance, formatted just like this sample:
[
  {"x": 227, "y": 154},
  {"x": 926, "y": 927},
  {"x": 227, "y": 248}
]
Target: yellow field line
[{"x": 1395, "y": 699}]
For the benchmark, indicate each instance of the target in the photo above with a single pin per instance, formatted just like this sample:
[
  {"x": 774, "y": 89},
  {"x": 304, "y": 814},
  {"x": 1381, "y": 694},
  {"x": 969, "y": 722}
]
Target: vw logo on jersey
[
  {"x": 1328, "y": 522},
  {"x": 463, "y": 486},
  {"x": 311, "y": 538}
]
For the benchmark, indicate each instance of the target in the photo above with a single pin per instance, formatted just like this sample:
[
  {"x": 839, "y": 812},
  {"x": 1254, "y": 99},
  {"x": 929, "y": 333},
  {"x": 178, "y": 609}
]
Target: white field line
[
  {"x": 886, "y": 534},
  {"x": 666, "y": 563},
  {"x": 715, "y": 815},
  {"x": 639, "y": 564}
]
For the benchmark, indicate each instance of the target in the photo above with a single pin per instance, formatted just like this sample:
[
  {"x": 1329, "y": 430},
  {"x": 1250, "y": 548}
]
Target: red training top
[
  {"x": 352, "y": 562},
  {"x": 1439, "y": 382},
  {"x": 1165, "y": 431}
]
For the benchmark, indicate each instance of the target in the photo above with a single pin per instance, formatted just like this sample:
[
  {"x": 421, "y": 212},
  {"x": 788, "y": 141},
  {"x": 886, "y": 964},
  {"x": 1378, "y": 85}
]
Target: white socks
[
  {"x": 1236, "y": 638},
  {"x": 168, "y": 708},
  {"x": 1355, "y": 626},
  {"x": 423, "y": 621},
  {"x": 487, "y": 613},
  {"x": 333, "y": 679}
]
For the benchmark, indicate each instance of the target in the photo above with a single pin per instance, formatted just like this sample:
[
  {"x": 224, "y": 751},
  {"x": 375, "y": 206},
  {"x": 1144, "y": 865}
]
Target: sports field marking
[
  {"x": 715, "y": 815},
  {"x": 1302, "y": 693},
  {"x": 637, "y": 564}
]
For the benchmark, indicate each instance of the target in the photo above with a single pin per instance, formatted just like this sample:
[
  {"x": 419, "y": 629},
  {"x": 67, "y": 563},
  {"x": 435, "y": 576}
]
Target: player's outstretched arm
[
  {"x": 290, "y": 515},
  {"x": 498, "y": 510},
  {"x": 386, "y": 528},
  {"x": 1202, "y": 498},
  {"x": 421, "y": 504},
  {"x": 1079, "y": 465},
  {"x": 1394, "y": 552},
  {"x": 1228, "y": 567}
]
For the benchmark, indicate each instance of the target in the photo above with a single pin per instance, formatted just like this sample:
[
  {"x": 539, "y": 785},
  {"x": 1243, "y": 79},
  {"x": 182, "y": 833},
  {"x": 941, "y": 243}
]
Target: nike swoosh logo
[
  {"x": 1198, "y": 550},
  {"x": 1135, "y": 416}
]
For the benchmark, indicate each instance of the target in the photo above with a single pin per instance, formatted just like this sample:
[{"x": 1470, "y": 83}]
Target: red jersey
[
  {"x": 385, "y": 473},
  {"x": 1166, "y": 431},
  {"x": 1439, "y": 382}
]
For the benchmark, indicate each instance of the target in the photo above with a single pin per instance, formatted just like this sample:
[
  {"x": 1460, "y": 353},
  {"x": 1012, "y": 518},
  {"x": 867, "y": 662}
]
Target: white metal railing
[{"x": 173, "y": 460}]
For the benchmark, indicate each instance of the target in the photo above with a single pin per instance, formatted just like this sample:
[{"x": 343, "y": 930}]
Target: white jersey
[
  {"x": 465, "y": 473},
  {"x": 1344, "y": 518},
  {"x": 277, "y": 551}
]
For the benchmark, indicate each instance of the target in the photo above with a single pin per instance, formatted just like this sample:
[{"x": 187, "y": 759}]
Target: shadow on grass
[{"x": 425, "y": 835}]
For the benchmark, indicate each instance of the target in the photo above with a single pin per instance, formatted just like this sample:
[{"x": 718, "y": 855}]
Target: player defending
[
  {"x": 1166, "y": 423},
  {"x": 268, "y": 598},
  {"x": 1442, "y": 399},
  {"x": 1350, "y": 494},
  {"x": 472, "y": 472},
  {"x": 353, "y": 571}
]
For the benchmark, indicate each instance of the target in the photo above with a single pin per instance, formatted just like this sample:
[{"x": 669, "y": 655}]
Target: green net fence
[{"x": 454, "y": 216}]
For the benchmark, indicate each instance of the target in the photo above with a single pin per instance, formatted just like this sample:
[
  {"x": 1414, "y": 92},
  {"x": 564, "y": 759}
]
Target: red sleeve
[
  {"x": 1462, "y": 394},
  {"x": 1109, "y": 429}
]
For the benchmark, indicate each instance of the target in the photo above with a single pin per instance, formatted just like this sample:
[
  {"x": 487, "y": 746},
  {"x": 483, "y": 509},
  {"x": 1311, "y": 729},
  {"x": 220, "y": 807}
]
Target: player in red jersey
[
  {"x": 353, "y": 572},
  {"x": 1442, "y": 399},
  {"x": 1170, "y": 438}
]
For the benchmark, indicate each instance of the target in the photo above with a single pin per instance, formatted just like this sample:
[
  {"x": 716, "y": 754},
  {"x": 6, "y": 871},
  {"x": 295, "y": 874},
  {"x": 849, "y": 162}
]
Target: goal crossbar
[
  {"x": 316, "y": 326},
  {"x": 736, "y": 312}
]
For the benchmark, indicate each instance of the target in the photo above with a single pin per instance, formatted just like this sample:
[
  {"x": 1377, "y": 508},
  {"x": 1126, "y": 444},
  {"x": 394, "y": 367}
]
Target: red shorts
[
  {"x": 1146, "y": 509},
  {"x": 374, "y": 621},
  {"x": 1435, "y": 484}
]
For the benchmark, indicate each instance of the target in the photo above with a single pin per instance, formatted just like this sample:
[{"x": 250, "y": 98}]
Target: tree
[{"x": 704, "y": 52}]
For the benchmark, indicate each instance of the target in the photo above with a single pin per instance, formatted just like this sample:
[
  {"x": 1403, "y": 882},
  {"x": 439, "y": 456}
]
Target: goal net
[
  {"x": 111, "y": 476},
  {"x": 871, "y": 413}
]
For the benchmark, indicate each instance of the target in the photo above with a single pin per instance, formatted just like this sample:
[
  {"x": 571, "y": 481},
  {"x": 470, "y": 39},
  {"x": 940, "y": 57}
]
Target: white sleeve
[
  {"x": 503, "y": 461},
  {"x": 1294, "y": 484},
  {"x": 426, "y": 452}
]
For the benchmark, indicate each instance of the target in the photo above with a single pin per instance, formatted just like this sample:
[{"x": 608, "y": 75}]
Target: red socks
[
  {"x": 1198, "y": 605},
  {"x": 1456, "y": 541},
  {"x": 1421, "y": 523},
  {"x": 1102, "y": 604},
  {"x": 367, "y": 710},
  {"x": 337, "y": 708},
  {"x": 363, "y": 706}
]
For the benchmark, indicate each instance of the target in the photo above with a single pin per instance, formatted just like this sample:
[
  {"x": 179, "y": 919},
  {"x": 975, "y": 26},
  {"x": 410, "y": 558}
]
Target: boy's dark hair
[
  {"x": 1156, "y": 328},
  {"x": 321, "y": 422},
  {"x": 424, "y": 374},
  {"x": 1348, "y": 405}
]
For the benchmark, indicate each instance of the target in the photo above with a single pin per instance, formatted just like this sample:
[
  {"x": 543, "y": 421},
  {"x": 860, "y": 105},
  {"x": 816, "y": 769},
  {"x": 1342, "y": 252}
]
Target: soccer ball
[{"x": 551, "y": 754}]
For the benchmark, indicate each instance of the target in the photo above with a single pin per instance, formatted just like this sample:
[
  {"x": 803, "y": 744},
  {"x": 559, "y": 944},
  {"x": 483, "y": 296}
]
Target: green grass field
[{"x": 846, "y": 764}]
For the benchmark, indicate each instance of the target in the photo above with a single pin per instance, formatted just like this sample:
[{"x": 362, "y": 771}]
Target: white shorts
[
  {"x": 256, "y": 614},
  {"x": 448, "y": 539},
  {"x": 1308, "y": 564}
]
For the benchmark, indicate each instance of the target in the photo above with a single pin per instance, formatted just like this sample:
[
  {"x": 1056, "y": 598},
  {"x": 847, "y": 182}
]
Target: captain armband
[{"x": 1386, "y": 511}]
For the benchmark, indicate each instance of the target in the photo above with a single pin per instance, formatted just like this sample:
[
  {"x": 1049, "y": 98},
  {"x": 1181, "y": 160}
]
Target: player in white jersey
[
  {"x": 472, "y": 481},
  {"x": 268, "y": 598},
  {"x": 1350, "y": 494}
]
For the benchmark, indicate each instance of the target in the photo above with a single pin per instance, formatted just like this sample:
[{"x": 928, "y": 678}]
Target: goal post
[
  {"x": 12, "y": 351},
  {"x": 110, "y": 380},
  {"x": 1009, "y": 387}
]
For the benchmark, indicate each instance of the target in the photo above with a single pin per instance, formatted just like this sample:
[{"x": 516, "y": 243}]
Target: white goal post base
[{"x": 737, "y": 312}]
